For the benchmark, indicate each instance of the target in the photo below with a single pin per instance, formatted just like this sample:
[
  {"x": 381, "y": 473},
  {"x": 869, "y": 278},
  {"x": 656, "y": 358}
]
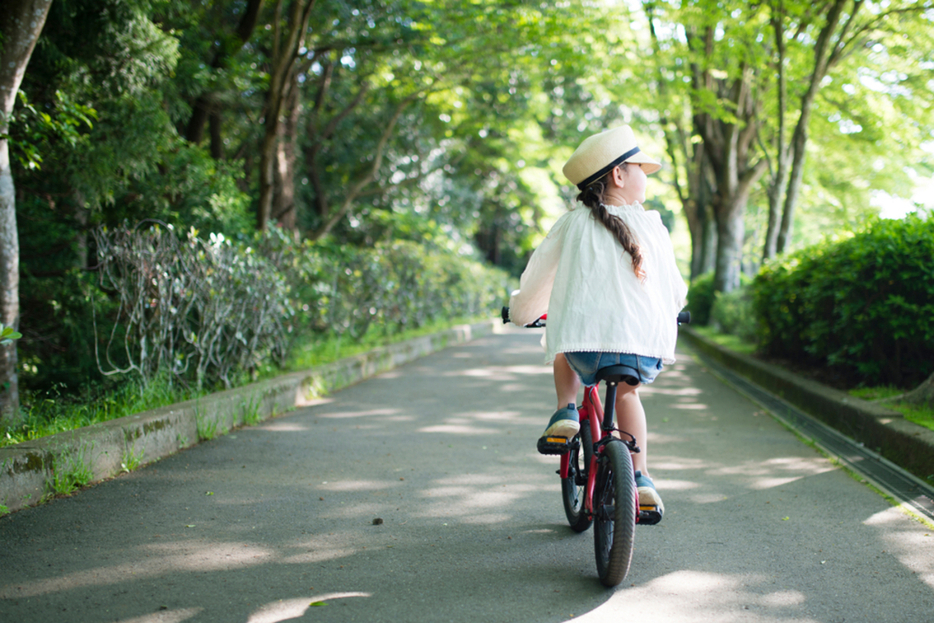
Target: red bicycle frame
[{"x": 591, "y": 411}]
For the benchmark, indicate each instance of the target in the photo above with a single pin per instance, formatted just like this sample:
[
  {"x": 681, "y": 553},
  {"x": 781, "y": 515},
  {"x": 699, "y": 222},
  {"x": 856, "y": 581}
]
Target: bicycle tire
[
  {"x": 614, "y": 514},
  {"x": 574, "y": 487}
]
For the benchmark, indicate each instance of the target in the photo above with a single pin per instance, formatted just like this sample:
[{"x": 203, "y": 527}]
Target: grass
[
  {"x": 331, "y": 348},
  {"x": 732, "y": 342},
  {"x": 70, "y": 471},
  {"x": 923, "y": 416},
  {"x": 131, "y": 460},
  {"x": 48, "y": 413}
]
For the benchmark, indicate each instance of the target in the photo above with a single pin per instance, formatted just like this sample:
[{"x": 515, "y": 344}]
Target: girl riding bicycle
[{"x": 606, "y": 277}]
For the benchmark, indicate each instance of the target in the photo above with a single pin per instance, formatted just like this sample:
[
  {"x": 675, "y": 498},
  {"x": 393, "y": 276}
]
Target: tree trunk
[
  {"x": 799, "y": 143},
  {"x": 217, "y": 142},
  {"x": 781, "y": 173},
  {"x": 355, "y": 190},
  {"x": 81, "y": 231},
  {"x": 284, "y": 209},
  {"x": 21, "y": 22},
  {"x": 731, "y": 230},
  {"x": 283, "y": 62},
  {"x": 707, "y": 258},
  {"x": 826, "y": 54},
  {"x": 923, "y": 394}
]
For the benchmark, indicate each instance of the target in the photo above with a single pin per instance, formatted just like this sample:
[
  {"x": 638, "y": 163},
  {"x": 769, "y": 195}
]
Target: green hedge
[
  {"x": 700, "y": 299},
  {"x": 209, "y": 311},
  {"x": 864, "y": 305}
]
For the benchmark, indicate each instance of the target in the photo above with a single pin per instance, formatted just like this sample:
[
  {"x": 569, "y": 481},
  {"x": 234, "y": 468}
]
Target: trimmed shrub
[
  {"x": 733, "y": 314},
  {"x": 208, "y": 311},
  {"x": 700, "y": 299},
  {"x": 863, "y": 306}
]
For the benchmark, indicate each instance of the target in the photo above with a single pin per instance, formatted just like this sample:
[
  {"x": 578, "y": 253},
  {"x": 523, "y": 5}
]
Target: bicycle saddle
[{"x": 618, "y": 374}]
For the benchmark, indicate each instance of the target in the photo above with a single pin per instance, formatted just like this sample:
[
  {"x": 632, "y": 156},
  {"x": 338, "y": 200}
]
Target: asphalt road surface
[{"x": 419, "y": 496}]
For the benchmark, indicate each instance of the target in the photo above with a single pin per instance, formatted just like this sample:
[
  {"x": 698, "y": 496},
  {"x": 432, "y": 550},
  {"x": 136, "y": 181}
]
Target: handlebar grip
[
  {"x": 684, "y": 317},
  {"x": 505, "y": 314}
]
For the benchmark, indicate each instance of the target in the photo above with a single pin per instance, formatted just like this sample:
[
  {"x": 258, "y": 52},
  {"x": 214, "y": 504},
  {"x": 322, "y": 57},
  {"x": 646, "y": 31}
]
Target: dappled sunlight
[
  {"x": 675, "y": 485},
  {"x": 497, "y": 416},
  {"x": 315, "y": 548},
  {"x": 771, "y": 483},
  {"x": 706, "y": 498},
  {"x": 165, "y": 616},
  {"x": 471, "y": 479},
  {"x": 283, "y": 427},
  {"x": 362, "y": 512},
  {"x": 166, "y": 558},
  {"x": 502, "y": 373},
  {"x": 690, "y": 406},
  {"x": 487, "y": 519},
  {"x": 471, "y": 497},
  {"x": 318, "y": 553},
  {"x": 286, "y": 609},
  {"x": 662, "y": 438},
  {"x": 783, "y": 598},
  {"x": 478, "y": 423},
  {"x": 357, "y": 485},
  {"x": 398, "y": 418},
  {"x": 458, "y": 429},
  {"x": 648, "y": 390},
  {"x": 361, "y": 413},
  {"x": 771, "y": 473},
  {"x": 303, "y": 401},
  {"x": 678, "y": 464},
  {"x": 744, "y": 477},
  {"x": 695, "y": 596},
  {"x": 912, "y": 544}
]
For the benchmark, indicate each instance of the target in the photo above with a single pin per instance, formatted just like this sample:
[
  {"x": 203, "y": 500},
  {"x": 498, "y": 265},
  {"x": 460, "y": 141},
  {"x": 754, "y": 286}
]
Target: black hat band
[{"x": 587, "y": 182}]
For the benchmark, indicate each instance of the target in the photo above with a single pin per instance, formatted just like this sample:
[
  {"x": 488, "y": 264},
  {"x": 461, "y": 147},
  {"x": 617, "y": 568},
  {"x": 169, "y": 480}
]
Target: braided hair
[{"x": 593, "y": 196}]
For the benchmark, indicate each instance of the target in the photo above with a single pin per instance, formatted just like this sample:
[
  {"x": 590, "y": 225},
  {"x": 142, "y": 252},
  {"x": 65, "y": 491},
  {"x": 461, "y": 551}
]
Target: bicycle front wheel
[
  {"x": 614, "y": 514},
  {"x": 573, "y": 488}
]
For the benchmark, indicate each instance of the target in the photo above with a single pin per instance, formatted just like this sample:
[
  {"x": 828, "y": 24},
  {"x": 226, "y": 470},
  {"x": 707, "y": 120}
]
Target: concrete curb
[
  {"x": 30, "y": 472},
  {"x": 905, "y": 443}
]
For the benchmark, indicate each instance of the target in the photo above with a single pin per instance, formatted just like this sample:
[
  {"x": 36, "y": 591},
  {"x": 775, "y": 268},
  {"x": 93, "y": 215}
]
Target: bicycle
[{"x": 598, "y": 482}]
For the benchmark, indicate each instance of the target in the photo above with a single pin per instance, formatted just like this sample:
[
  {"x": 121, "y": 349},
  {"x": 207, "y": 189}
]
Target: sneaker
[
  {"x": 649, "y": 499},
  {"x": 564, "y": 423}
]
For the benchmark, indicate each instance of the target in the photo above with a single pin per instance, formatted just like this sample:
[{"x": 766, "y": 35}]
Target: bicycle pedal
[
  {"x": 553, "y": 445},
  {"x": 649, "y": 515}
]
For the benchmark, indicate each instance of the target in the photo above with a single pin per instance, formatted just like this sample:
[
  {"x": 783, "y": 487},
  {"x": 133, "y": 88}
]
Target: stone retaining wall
[{"x": 905, "y": 443}]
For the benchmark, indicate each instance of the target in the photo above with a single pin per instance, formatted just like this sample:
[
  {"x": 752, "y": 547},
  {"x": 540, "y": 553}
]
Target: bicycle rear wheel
[
  {"x": 573, "y": 488},
  {"x": 614, "y": 514}
]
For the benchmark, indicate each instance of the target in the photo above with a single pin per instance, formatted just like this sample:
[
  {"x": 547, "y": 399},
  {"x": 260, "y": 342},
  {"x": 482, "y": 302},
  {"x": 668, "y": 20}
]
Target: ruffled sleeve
[{"x": 530, "y": 301}]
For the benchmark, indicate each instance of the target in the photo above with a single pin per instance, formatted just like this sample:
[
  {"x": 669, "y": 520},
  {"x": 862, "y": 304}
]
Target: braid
[{"x": 592, "y": 197}]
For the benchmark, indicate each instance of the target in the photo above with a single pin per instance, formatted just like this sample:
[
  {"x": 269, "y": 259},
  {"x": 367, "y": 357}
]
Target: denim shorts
[{"x": 586, "y": 365}]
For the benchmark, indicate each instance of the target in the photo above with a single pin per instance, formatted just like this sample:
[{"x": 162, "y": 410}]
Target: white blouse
[{"x": 583, "y": 279}]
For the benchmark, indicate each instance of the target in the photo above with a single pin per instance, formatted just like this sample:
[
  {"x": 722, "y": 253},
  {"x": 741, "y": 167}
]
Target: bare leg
[
  {"x": 630, "y": 417},
  {"x": 566, "y": 382}
]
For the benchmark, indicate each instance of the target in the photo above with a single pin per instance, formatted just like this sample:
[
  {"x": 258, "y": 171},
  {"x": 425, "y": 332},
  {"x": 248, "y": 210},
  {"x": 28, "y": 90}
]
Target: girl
[{"x": 607, "y": 279}]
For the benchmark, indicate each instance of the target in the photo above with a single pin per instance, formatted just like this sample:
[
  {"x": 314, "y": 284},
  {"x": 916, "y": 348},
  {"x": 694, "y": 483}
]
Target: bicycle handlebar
[{"x": 683, "y": 318}]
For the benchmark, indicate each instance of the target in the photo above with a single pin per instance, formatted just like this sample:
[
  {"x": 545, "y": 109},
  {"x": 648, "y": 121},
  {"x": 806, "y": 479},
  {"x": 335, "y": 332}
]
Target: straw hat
[{"x": 600, "y": 153}]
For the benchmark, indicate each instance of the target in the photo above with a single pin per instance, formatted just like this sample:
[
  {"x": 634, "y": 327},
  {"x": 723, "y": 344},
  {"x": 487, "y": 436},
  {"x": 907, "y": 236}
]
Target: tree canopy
[{"x": 354, "y": 123}]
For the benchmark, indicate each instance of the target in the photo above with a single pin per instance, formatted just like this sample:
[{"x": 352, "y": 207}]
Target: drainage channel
[{"x": 893, "y": 480}]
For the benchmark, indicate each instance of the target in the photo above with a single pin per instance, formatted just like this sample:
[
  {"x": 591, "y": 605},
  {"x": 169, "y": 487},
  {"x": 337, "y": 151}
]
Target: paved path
[{"x": 261, "y": 524}]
